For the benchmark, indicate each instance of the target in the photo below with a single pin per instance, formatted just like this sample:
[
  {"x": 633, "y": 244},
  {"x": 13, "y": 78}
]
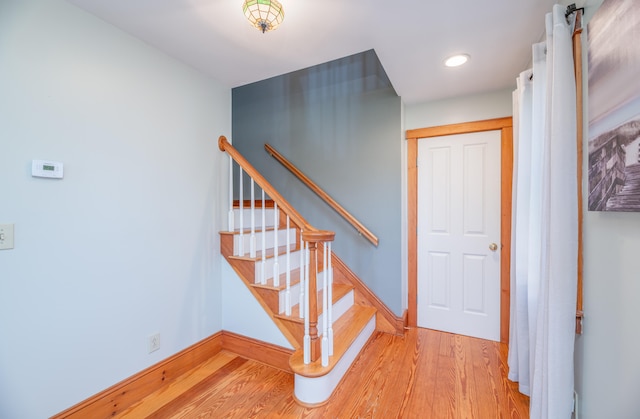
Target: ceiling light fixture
[
  {"x": 456, "y": 60},
  {"x": 266, "y": 15}
]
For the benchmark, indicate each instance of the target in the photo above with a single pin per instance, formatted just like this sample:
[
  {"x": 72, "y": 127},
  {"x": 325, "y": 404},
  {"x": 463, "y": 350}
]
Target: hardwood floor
[{"x": 425, "y": 374}]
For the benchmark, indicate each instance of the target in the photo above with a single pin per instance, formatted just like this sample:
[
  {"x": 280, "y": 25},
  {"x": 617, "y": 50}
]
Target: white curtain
[{"x": 545, "y": 225}]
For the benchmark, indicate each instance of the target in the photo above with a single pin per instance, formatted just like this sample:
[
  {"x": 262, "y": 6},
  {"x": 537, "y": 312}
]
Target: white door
[{"x": 459, "y": 234}]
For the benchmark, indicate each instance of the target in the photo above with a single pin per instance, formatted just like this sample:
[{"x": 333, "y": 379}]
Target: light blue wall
[
  {"x": 489, "y": 105},
  {"x": 606, "y": 355},
  {"x": 340, "y": 123},
  {"x": 126, "y": 244},
  {"x": 243, "y": 314}
]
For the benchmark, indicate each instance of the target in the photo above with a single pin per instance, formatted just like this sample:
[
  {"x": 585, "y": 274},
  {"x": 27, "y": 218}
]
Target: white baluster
[
  {"x": 287, "y": 294},
  {"x": 230, "y": 218},
  {"x": 263, "y": 280},
  {"x": 325, "y": 309},
  {"x": 330, "y": 297},
  {"x": 276, "y": 266},
  {"x": 302, "y": 303},
  {"x": 307, "y": 337},
  {"x": 252, "y": 238},
  {"x": 241, "y": 199}
]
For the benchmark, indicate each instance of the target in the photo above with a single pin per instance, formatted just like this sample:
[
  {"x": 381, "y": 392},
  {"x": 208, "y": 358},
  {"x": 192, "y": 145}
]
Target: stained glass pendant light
[{"x": 266, "y": 15}]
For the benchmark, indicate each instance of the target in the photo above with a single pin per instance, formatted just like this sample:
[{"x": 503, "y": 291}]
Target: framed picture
[{"x": 614, "y": 107}]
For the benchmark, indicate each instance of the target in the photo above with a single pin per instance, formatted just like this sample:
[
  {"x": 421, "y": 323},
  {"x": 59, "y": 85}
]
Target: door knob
[{"x": 493, "y": 247}]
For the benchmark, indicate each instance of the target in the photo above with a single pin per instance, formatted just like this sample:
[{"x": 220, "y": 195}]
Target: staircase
[
  {"x": 628, "y": 199},
  {"x": 313, "y": 298}
]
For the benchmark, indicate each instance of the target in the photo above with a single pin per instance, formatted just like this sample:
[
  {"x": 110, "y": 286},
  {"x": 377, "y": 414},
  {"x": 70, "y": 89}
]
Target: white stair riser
[
  {"x": 318, "y": 389},
  {"x": 246, "y": 217},
  {"x": 295, "y": 297},
  {"x": 269, "y": 236},
  {"x": 294, "y": 262},
  {"x": 339, "y": 308}
]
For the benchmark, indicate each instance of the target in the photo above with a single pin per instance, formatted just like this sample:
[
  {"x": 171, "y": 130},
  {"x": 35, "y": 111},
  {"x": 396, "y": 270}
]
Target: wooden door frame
[{"x": 505, "y": 126}]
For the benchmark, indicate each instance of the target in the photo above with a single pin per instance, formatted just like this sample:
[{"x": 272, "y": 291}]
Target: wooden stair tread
[
  {"x": 345, "y": 330},
  {"x": 339, "y": 291},
  {"x": 294, "y": 280},
  {"x": 247, "y": 230},
  {"x": 282, "y": 251}
]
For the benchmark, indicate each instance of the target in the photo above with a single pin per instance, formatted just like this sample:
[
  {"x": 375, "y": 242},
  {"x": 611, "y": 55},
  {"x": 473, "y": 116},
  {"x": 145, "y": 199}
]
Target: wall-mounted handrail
[
  {"x": 310, "y": 237},
  {"x": 322, "y": 194}
]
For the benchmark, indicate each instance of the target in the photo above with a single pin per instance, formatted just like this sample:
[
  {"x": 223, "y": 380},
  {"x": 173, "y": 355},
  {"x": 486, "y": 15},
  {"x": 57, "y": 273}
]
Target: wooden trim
[
  {"x": 462, "y": 128},
  {"x": 386, "y": 320},
  {"x": 312, "y": 301},
  {"x": 360, "y": 228},
  {"x": 405, "y": 320},
  {"x": 267, "y": 353},
  {"x": 122, "y": 395},
  {"x": 577, "y": 62},
  {"x": 412, "y": 233},
  {"x": 504, "y": 125},
  {"x": 246, "y": 203},
  {"x": 506, "y": 183},
  {"x": 318, "y": 236}
]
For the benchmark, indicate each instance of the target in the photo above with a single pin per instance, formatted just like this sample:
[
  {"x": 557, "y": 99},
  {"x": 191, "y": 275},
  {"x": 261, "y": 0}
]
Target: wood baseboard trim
[
  {"x": 405, "y": 320},
  {"x": 122, "y": 395},
  {"x": 267, "y": 353}
]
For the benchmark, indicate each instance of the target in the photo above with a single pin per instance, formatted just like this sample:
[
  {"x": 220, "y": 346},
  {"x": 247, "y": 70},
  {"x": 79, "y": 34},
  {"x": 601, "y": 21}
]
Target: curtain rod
[{"x": 572, "y": 9}]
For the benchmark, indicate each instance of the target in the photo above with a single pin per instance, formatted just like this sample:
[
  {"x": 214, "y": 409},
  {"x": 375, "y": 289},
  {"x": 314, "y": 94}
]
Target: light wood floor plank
[
  {"x": 425, "y": 374},
  {"x": 420, "y": 394}
]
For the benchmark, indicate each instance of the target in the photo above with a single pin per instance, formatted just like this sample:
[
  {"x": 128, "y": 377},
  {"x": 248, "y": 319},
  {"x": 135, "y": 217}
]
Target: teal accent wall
[{"x": 339, "y": 123}]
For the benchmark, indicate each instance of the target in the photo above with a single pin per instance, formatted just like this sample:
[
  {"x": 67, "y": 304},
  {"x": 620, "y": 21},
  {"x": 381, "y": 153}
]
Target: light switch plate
[{"x": 6, "y": 236}]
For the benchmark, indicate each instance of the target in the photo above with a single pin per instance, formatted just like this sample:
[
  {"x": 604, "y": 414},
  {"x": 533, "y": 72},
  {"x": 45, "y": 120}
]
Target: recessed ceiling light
[{"x": 456, "y": 60}]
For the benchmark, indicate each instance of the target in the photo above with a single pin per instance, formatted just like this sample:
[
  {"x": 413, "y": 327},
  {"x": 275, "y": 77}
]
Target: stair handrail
[
  {"x": 311, "y": 235},
  {"x": 360, "y": 228}
]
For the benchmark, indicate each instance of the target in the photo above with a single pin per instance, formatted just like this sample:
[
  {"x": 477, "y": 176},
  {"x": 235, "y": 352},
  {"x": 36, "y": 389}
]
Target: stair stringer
[{"x": 245, "y": 273}]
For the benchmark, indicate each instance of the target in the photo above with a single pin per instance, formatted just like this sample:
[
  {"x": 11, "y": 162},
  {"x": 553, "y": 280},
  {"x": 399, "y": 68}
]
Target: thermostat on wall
[{"x": 45, "y": 168}]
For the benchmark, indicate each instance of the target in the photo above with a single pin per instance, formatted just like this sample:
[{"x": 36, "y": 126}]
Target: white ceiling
[{"x": 411, "y": 38}]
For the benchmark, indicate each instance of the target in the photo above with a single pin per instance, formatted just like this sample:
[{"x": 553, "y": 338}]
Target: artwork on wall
[{"x": 614, "y": 107}]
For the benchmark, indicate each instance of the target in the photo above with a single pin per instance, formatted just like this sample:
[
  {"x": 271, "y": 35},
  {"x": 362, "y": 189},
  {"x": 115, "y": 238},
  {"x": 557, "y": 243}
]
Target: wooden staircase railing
[
  {"x": 310, "y": 240},
  {"x": 362, "y": 230}
]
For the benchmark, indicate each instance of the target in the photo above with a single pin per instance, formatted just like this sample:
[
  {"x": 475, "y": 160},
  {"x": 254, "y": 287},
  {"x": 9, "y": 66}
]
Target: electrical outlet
[{"x": 154, "y": 342}]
